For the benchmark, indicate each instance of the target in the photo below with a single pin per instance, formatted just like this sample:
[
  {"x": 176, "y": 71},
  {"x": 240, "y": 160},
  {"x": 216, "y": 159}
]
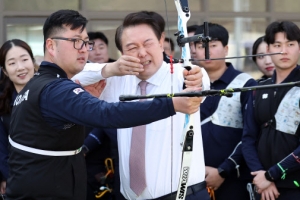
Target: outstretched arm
[{"x": 94, "y": 72}]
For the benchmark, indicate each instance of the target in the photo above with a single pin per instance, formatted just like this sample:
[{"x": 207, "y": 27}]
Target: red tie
[{"x": 137, "y": 154}]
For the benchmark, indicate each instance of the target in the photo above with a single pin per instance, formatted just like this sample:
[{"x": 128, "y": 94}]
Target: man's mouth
[
  {"x": 146, "y": 63},
  {"x": 81, "y": 59},
  {"x": 284, "y": 59}
]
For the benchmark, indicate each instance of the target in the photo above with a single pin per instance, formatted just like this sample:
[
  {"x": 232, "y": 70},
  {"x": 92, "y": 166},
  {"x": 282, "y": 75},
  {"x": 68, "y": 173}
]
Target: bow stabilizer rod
[{"x": 225, "y": 92}]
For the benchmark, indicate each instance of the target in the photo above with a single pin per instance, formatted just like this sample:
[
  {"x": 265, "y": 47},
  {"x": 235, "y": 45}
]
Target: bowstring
[{"x": 171, "y": 70}]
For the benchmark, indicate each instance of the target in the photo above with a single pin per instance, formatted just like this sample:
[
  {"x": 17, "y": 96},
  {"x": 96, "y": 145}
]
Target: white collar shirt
[{"x": 158, "y": 137}]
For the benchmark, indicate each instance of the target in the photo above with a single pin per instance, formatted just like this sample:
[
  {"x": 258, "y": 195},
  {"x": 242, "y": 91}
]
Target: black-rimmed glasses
[{"x": 78, "y": 43}]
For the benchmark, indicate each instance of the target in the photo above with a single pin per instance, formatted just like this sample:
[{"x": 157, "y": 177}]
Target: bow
[{"x": 188, "y": 132}]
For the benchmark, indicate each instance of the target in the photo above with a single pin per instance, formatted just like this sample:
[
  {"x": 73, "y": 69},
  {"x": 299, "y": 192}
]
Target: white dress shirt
[
  {"x": 158, "y": 136},
  {"x": 90, "y": 74}
]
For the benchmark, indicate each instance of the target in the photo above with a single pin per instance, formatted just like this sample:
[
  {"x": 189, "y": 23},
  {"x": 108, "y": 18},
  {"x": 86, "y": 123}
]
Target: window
[
  {"x": 38, "y": 5},
  {"x": 287, "y": 6},
  {"x": 137, "y": 5},
  {"x": 238, "y": 5}
]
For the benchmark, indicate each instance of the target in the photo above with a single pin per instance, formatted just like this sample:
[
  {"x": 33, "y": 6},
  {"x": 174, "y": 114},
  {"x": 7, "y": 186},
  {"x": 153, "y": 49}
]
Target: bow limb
[
  {"x": 188, "y": 133},
  {"x": 183, "y": 17}
]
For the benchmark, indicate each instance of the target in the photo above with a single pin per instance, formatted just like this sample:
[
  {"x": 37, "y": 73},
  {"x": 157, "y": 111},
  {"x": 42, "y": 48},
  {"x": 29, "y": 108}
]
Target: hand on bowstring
[
  {"x": 187, "y": 105},
  {"x": 193, "y": 77}
]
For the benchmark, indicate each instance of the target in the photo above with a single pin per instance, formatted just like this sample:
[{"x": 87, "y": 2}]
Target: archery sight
[{"x": 205, "y": 39}]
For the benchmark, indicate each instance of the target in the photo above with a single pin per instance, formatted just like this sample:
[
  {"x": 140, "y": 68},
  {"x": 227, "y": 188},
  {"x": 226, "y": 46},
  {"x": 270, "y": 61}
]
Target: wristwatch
[
  {"x": 222, "y": 173},
  {"x": 268, "y": 176}
]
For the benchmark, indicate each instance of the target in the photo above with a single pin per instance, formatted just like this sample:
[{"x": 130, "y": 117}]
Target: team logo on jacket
[
  {"x": 78, "y": 90},
  {"x": 265, "y": 96},
  {"x": 21, "y": 97}
]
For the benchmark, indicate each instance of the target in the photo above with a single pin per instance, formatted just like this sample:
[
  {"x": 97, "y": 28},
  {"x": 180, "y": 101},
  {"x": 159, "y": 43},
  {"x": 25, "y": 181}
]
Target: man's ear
[
  {"x": 163, "y": 35},
  {"x": 226, "y": 50},
  {"x": 162, "y": 40},
  {"x": 50, "y": 46}
]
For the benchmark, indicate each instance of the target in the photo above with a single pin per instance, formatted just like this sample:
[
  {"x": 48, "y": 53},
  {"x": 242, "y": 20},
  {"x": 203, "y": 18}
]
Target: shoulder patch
[{"x": 78, "y": 90}]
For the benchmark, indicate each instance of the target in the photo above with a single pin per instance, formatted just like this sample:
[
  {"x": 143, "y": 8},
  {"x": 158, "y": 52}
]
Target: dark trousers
[
  {"x": 288, "y": 194},
  {"x": 193, "y": 193},
  {"x": 90, "y": 195},
  {"x": 201, "y": 195},
  {"x": 233, "y": 189}
]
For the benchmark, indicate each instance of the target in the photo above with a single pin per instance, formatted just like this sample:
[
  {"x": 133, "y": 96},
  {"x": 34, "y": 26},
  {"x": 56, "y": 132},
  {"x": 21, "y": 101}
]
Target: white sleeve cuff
[
  {"x": 90, "y": 74},
  {"x": 205, "y": 82}
]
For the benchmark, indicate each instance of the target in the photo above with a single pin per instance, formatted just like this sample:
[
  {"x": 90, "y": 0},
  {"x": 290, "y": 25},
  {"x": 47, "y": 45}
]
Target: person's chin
[
  {"x": 82, "y": 62},
  {"x": 143, "y": 75},
  {"x": 80, "y": 67}
]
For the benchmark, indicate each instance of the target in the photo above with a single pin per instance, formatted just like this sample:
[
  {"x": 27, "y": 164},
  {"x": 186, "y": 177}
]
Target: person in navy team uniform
[
  {"x": 222, "y": 119},
  {"x": 271, "y": 144},
  {"x": 50, "y": 112},
  {"x": 18, "y": 65},
  {"x": 100, "y": 143},
  {"x": 264, "y": 63}
]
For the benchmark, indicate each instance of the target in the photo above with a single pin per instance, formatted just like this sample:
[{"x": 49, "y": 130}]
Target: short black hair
[
  {"x": 290, "y": 29},
  {"x": 192, "y": 28},
  {"x": 158, "y": 18},
  {"x": 169, "y": 40},
  {"x": 98, "y": 35},
  {"x": 255, "y": 46},
  {"x": 216, "y": 32},
  {"x": 138, "y": 18},
  {"x": 57, "y": 20}
]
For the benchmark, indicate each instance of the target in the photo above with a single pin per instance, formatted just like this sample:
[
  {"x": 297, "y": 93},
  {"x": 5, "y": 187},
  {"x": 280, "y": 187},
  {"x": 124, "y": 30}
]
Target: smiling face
[
  {"x": 141, "y": 42},
  {"x": 19, "y": 67},
  {"x": 63, "y": 53},
  {"x": 264, "y": 63}
]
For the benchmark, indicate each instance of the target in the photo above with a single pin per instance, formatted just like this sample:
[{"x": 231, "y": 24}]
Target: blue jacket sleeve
[
  {"x": 93, "y": 140},
  {"x": 236, "y": 158},
  {"x": 63, "y": 101},
  {"x": 290, "y": 163},
  {"x": 3, "y": 153},
  {"x": 250, "y": 137}
]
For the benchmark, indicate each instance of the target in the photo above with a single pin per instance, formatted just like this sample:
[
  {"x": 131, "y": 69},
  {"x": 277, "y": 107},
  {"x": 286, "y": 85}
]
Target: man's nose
[{"x": 142, "y": 52}]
